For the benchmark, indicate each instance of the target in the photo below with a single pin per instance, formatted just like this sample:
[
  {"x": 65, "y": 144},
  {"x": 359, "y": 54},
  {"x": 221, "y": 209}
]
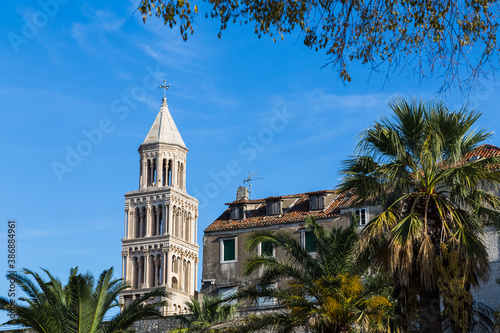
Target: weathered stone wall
[
  {"x": 156, "y": 325},
  {"x": 231, "y": 274}
]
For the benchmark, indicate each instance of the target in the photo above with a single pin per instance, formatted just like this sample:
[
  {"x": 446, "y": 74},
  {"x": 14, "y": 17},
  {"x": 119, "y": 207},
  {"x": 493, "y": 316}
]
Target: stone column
[
  {"x": 170, "y": 220},
  {"x": 131, "y": 223},
  {"x": 144, "y": 172},
  {"x": 124, "y": 275},
  {"x": 146, "y": 269},
  {"x": 125, "y": 232},
  {"x": 175, "y": 222},
  {"x": 148, "y": 221},
  {"x": 164, "y": 212},
  {"x": 181, "y": 273},
  {"x": 184, "y": 176},
  {"x": 174, "y": 172},
  {"x": 195, "y": 269}
]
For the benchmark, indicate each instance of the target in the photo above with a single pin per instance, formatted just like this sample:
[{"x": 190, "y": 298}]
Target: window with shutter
[
  {"x": 237, "y": 213},
  {"x": 361, "y": 216},
  {"x": 309, "y": 241},
  {"x": 273, "y": 208},
  {"x": 321, "y": 202},
  {"x": 228, "y": 250},
  {"x": 267, "y": 249},
  {"x": 234, "y": 213},
  {"x": 313, "y": 202}
]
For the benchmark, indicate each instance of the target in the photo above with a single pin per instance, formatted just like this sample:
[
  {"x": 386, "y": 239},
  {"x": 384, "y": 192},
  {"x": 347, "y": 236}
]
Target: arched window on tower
[
  {"x": 181, "y": 176},
  {"x": 137, "y": 223},
  {"x": 187, "y": 277},
  {"x": 182, "y": 223},
  {"x": 161, "y": 226},
  {"x": 178, "y": 226},
  {"x": 179, "y": 173},
  {"x": 142, "y": 273},
  {"x": 174, "y": 264},
  {"x": 155, "y": 173},
  {"x": 148, "y": 173},
  {"x": 169, "y": 175},
  {"x": 153, "y": 221},
  {"x": 144, "y": 215},
  {"x": 159, "y": 272},
  {"x": 164, "y": 174},
  {"x": 135, "y": 273},
  {"x": 175, "y": 285}
]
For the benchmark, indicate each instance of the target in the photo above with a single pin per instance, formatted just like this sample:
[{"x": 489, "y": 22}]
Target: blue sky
[{"x": 77, "y": 69}]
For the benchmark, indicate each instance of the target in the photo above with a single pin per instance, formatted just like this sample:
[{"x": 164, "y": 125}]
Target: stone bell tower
[{"x": 159, "y": 247}]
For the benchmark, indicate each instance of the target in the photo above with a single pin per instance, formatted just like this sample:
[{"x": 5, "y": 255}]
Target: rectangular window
[
  {"x": 361, "y": 216},
  {"x": 273, "y": 208},
  {"x": 266, "y": 301},
  {"x": 316, "y": 203},
  {"x": 313, "y": 203},
  {"x": 237, "y": 213},
  {"x": 309, "y": 241},
  {"x": 267, "y": 249},
  {"x": 228, "y": 249},
  {"x": 224, "y": 293}
]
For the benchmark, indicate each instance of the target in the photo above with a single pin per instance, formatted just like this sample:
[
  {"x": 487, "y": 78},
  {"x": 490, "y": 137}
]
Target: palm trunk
[{"x": 430, "y": 312}]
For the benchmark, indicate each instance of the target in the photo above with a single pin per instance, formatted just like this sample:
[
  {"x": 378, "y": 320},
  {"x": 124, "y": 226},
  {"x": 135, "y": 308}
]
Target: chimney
[{"x": 241, "y": 193}]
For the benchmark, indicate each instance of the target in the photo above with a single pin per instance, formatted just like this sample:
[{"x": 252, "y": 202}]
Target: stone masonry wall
[{"x": 155, "y": 325}]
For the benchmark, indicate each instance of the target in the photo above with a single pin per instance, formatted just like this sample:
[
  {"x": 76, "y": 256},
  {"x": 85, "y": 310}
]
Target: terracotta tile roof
[
  {"x": 483, "y": 151},
  {"x": 297, "y": 212},
  {"x": 300, "y": 209}
]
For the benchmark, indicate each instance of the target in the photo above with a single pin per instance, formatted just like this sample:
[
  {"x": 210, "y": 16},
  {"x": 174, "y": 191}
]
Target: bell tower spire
[
  {"x": 163, "y": 152},
  {"x": 160, "y": 244}
]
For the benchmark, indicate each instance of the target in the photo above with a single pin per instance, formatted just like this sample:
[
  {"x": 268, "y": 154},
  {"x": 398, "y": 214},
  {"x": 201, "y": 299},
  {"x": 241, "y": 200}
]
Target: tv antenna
[{"x": 249, "y": 180}]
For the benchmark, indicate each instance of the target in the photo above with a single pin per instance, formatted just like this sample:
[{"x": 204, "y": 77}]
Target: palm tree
[
  {"x": 205, "y": 315},
  {"x": 432, "y": 197},
  {"x": 79, "y": 306},
  {"x": 322, "y": 288}
]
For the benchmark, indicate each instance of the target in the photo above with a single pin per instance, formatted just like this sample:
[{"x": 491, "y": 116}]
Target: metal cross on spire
[{"x": 165, "y": 87}]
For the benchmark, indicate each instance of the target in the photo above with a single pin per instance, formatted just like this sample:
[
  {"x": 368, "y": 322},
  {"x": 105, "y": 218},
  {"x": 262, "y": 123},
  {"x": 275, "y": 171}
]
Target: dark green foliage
[
  {"x": 205, "y": 315},
  {"x": 428, "y": 37},
  {"x": 323, "y": 289},
  {"x": 454, "y": 286},
  {"x": 79, "y": 306},
  {"x": 414, "y": 164}
]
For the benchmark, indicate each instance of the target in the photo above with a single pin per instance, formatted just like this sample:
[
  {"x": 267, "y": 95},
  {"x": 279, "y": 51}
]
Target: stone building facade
[
  {"x": 224, "y": 241},
  {"x": 159, "y": 247}
]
